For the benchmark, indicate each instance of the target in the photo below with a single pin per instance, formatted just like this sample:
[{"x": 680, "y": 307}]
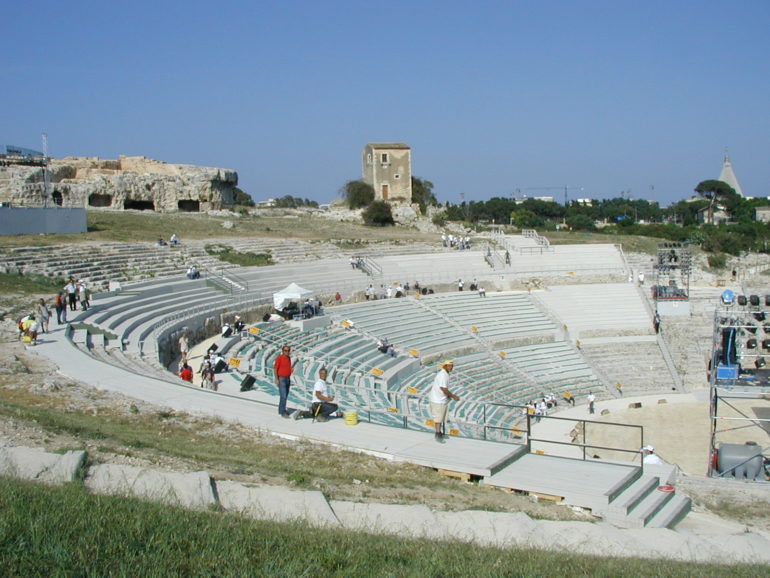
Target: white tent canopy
[{"x": 292, "y": 293}]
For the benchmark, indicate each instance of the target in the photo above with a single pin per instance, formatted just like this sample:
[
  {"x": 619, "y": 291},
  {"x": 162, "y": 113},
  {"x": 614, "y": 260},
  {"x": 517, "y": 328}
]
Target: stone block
[
  {"x": 192, "y": 490},
  {"x": 40, "y": 466},
  {"x": 276, "y": 503}
]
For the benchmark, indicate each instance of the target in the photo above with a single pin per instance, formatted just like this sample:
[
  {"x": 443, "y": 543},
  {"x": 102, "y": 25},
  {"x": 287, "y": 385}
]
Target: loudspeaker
[
  {"x": 751, "y": 343},
  {"x": 247, "y": 383},
  {"x": 754, "y": 300},
  {"x": 766, "y": 344},
  {"x": 767, "y": 300},
  {"x": 742, "y": 300},
  {"x": 212, "y": 349},
  {"x": 220, "y": 366}
]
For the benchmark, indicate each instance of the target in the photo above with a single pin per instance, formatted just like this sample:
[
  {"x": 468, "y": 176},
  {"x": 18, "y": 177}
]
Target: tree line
[{"x": 693, "y": 220}]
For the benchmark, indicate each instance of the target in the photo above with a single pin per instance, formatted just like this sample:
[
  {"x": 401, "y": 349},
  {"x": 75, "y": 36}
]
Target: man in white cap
[
  {"x": 439, "y": 398},
  {"x": 650, "y": 457}
]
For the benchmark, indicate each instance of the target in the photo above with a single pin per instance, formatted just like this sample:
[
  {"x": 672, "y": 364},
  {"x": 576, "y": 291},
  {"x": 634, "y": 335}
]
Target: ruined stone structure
[{"x": 125, "y": 183}]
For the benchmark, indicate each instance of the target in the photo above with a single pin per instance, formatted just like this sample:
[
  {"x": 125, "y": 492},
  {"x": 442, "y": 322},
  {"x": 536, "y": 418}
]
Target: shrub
[
  {"x": 717, "y": 261},
  {"x": 358, "y": 194},
  {"x": 439, "y": 219},
  {"x": 378, "y": 213}
]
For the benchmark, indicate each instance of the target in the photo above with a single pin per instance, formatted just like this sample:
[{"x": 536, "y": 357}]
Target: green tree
[
  {"x": 422, "y": 193},
  {"x": 241, "y": 197},
  {"x": 545, "y": 209},
  {"x": 525, "y": 219},
  {"x": 714, "y": 192},
  {"x": 686, "y": 212},
  {"x": 581, "y": 223},
  {"x": 358, "y": 194},
  {"x": 378, "y": 213}
]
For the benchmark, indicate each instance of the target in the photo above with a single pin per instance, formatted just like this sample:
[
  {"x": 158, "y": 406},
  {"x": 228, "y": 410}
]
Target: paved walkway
[{"x": 458, "y": 454}]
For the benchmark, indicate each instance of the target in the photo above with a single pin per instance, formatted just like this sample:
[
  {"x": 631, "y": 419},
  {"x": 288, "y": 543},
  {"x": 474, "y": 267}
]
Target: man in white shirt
[
  {"x": 591, "y": 402},
  {"x": 184, "y": 347},
  {"x": 322, "y": 408},
  {"x": 439, "y": 398},
  {"x": 650, "y": 457}
]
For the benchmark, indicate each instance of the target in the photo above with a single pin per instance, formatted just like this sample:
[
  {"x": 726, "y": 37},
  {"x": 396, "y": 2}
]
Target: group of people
[
  {"x": 474, "y": 286},
  {"x": 38, "y": 320},
  {"x": 312, "y": 307},
  {"x": 452, "y": 241},
  {"x": 206, "y": 371},
  {"x": 77, "y": 292},
  {"x": 539, "y": 408},
  {"x": 193, "y": 273},
  {"x": 173, "y": 241},
  {"x": 395, "y": 290},
  {"x": 322, "y": 407},
  {"x": 30, "y": 327},
  {"x": 384, "y": 346}
]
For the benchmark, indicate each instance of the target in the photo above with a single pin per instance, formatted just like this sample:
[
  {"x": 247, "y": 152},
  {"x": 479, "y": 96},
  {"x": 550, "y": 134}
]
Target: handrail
[
  {"x": 583, "y": 445},
  {"x": 374, "y": 266}
]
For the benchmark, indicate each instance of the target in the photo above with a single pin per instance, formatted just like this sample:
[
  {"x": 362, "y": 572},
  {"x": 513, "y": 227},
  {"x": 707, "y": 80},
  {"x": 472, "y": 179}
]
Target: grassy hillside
[
  {"x": 68, "y": 532},
  {"x": 148, "y": 226}
]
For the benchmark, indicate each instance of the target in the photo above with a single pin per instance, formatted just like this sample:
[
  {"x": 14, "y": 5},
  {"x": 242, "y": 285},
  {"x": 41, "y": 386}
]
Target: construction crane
[{"x": 565, "y": 188}]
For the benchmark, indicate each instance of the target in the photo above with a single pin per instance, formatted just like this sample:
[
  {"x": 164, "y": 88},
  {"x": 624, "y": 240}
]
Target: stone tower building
[{"x": 387, "y": 167}]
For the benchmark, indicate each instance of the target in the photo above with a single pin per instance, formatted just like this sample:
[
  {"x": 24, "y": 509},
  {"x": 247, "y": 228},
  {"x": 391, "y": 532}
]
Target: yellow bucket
[{"x": 351, "y": 417}]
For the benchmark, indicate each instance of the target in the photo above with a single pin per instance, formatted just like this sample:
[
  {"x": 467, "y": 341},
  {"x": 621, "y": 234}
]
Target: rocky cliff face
[{"x": 125, "y": 183}]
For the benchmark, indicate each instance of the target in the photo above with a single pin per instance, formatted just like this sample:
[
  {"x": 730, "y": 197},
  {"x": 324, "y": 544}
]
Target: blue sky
[{"x": 493, "y": 97}]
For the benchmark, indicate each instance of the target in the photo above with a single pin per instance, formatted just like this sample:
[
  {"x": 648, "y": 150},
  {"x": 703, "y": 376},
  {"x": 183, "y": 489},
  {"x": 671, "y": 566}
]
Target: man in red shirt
[
  {"x": 186, "y": 373},
  {"x": 283, "y": 368}
]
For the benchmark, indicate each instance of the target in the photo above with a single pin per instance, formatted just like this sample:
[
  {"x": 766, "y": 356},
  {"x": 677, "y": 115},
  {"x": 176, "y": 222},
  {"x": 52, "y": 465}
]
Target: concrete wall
[{"x": 34, "y": 220}]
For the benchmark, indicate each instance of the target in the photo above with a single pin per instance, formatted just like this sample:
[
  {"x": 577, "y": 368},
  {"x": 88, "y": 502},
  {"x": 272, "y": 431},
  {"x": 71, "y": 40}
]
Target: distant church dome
[{"x": 728, "y": 176}]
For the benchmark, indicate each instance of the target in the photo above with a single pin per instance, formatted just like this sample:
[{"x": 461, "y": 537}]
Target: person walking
[
  {"x": 60, "y": 303},
  {"x": 439, "y": 398},
  {"x": 283, "y": 368},
  {"x": 43, "y": 314},
  {"x": 591, "y": 402},
  {"x": 184, "y": 347}
]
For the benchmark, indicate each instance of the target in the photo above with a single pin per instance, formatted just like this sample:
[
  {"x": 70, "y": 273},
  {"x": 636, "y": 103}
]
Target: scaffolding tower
[
  {"x": 671, "y": 279},
  {"x": 739, "y": 379}
]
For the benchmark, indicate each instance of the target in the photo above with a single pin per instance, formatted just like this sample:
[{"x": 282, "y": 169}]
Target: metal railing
[
  {"x": 374, "y": 268},
  {"x": 583, "y": 445}
]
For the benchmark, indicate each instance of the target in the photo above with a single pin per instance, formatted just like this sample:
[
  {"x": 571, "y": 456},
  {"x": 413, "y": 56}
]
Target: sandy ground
[{"x": 677, "y": 425}]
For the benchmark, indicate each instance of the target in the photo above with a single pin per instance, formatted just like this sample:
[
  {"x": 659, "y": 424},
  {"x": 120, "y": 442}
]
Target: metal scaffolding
[{"x": 739, "y": 380}]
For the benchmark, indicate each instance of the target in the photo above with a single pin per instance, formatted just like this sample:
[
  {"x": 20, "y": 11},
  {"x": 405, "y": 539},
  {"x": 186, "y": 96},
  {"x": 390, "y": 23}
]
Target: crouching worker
[{"x": 322, "y": 408}]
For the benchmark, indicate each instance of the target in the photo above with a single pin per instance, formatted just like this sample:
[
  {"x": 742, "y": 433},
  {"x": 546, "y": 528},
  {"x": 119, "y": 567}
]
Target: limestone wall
[{"x": 128, "y": 182}]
